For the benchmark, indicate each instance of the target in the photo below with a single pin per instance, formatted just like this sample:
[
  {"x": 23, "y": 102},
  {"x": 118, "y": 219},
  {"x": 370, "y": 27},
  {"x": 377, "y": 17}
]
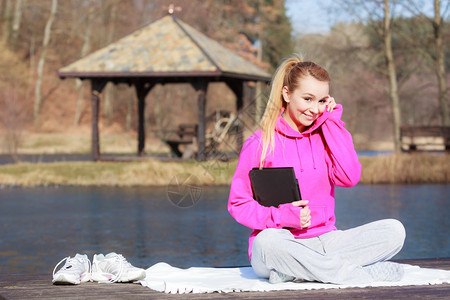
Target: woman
[{"x": 302, "y": 128}]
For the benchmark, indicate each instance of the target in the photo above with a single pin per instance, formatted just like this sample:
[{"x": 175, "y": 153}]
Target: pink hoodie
[{"x": 323, "y": 156}]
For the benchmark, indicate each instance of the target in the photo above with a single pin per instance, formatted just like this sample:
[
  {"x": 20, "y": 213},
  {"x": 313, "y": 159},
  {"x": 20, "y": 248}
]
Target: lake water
[{"x": 40, "y": 226}]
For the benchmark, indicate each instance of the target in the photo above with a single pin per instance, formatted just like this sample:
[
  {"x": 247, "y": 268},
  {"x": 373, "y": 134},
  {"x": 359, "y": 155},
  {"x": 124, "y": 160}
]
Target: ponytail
[{"x": 287, "y": 74}]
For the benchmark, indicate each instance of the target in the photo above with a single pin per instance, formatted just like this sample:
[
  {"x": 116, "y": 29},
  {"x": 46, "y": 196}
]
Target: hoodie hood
[{"x": 285, "y": 129}]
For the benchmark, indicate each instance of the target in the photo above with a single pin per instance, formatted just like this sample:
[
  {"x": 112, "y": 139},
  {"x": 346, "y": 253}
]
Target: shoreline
[
  {"x": 420, "y": 168},
  {"x": 57, "y": 186}
]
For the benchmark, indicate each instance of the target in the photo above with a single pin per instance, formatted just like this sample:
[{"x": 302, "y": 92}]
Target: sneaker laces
[
  {"x": 70, "y": 263},
  {"x": 122, "y": 264}
]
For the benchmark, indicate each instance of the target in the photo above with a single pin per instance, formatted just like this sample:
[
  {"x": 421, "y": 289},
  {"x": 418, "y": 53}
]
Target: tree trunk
[
  {"x": 112, "y": 21},
  {"x": 40, "y": 68},
  {"x": 7, "y": 22},
  {"x": 128, "y": 117},
  {"x": 109, "y": 102},
  {"x": 393, "y": 89},
  {"x": 80, "y": 103},
  {"x": 79, "y": 83},
  {"x": 260, "y": 105},
  {"x": 32, "y": 65},
  {"x": 108, "y": 107},
  {"x": 440, "y": 64},
  {"x": 16, "y": 23}
]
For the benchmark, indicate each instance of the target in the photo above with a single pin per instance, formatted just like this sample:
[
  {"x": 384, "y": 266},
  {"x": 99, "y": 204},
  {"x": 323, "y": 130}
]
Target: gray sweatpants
[{"x": 334, "y": 257}]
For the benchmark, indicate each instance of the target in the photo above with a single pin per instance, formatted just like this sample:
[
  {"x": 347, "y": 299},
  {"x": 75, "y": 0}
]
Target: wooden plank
[
  {"x": 40, "y": 287},
  {"x": 187, "y": 130}
]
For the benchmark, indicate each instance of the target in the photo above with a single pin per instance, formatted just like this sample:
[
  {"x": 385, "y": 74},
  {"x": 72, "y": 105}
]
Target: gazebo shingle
[{"x": 167, "y": 47}]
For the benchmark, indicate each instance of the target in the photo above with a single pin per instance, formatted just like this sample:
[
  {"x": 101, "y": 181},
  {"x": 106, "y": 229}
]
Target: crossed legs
[{"x": 344, "y": 257}]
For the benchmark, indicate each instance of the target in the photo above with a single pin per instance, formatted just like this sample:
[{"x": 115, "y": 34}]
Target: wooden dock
[{"x": 41, "y": 287}]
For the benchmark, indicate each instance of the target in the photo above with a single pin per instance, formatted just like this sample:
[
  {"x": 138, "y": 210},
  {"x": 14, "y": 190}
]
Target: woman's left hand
[{"x": 331, "y": 103}]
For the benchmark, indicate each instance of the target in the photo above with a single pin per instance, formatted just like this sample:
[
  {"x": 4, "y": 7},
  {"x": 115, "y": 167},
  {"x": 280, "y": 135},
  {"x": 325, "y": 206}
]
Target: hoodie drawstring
[
  {"x": 312, "y": 151},
  {"x": 299, "y": 156}
]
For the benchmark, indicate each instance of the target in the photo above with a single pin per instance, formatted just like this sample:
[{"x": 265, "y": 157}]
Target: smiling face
[{"x": 306, "y": 103}]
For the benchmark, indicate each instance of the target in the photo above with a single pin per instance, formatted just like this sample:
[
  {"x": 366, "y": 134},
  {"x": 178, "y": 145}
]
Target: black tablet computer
[{"x": 274, "y": 186}]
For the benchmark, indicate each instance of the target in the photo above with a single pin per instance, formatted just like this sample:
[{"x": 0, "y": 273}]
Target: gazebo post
[
  {"x": 200, "y": 85},
  {"x": 96, "y": 89},
  {"x": 142, "y": 90},
  {"x": 237, "y": 86}
]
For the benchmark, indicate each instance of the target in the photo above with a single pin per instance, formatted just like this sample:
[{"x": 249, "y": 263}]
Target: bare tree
[
  {"x": 377, "y": 15},
  {"x": 110, "y": 88},
  {"x": 129, "y": 113},
  {"x": 16, "y": 22},
  {"x": 435, "y": 54},
  {"x": 392, "y": 74},
  {"x": 438, "y": 24},
  {"x": 84, "y": 50},
  {"x": 7, "y": 13},
  {"x": 40, "y": 68},
  {"x": 12, "y": 119}
]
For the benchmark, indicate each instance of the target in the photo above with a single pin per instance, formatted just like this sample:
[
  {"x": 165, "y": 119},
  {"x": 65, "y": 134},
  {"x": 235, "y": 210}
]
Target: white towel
[{"x": 163, "y": 277}]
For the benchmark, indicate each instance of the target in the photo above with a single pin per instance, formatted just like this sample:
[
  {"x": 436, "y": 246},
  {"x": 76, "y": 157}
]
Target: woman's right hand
[{"x": 305, "y": 213}]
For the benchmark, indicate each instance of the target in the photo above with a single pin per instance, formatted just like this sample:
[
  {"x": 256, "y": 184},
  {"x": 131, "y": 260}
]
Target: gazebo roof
[{"x": 166, "y": 48}]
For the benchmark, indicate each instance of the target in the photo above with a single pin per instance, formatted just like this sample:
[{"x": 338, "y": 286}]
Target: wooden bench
[
  {"x": 218, "y": 125},
  {"x": 425, "y": 138},
  {"x": 186, "y": 135}
]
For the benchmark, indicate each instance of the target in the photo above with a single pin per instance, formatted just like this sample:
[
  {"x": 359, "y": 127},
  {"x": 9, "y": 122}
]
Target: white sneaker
[
  {"x": 277, "y": 277},
  {"x": 114, "y": 268},
  {"x": 74, "y": 271}
]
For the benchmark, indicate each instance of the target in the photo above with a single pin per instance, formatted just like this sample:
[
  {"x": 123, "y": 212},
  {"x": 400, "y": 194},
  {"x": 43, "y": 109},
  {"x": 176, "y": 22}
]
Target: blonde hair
[{"x": 288, "y": 74}]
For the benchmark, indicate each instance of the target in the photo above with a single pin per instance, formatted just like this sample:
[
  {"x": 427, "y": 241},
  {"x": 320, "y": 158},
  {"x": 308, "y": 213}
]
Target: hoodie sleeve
[
  {"x": 246, "y": 210},
  {"x": 343, "y": 164}
]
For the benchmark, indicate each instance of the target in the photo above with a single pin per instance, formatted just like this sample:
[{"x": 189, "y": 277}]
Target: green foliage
[{"x": 277, "y": 37}]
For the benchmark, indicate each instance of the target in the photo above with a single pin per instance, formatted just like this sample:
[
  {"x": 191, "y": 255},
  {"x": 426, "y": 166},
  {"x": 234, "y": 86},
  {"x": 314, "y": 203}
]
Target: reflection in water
[
  {"x": 40, "y": 226},
  {"x": 423, "y": 209}
]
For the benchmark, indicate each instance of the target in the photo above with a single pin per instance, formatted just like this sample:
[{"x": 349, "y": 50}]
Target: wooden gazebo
[{"x": 165, "y": 51}]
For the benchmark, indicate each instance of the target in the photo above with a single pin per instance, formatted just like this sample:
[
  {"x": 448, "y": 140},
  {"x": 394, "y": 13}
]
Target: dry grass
[
  {"x": 406, "y": 169},
  {"x": 114, "y": 173},
  {"x": 393, "y": 169}
]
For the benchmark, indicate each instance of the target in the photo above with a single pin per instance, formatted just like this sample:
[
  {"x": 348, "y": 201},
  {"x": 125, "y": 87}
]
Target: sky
[{"x": 311, "y": 16}]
